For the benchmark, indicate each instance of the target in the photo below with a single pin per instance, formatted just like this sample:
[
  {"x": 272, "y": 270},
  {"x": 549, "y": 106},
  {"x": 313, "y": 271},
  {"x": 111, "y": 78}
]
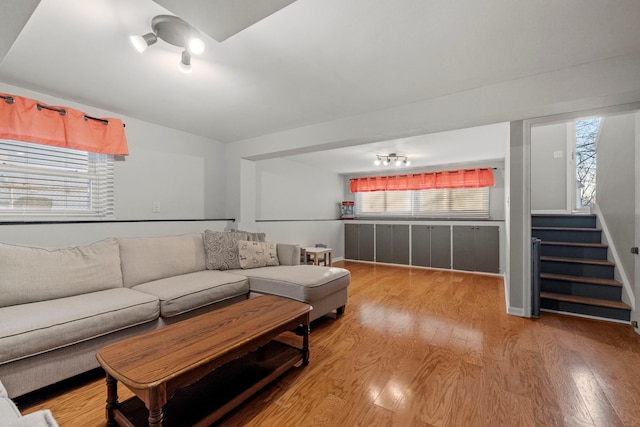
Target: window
[
  {"x": 43, "y": 181},
  {"x": 444, "y": 203}
]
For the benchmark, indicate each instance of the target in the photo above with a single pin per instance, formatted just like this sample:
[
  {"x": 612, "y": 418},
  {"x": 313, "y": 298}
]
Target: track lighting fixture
[
  {"x": 386, "y": 159},
  {"x": 175, "y": 31}
]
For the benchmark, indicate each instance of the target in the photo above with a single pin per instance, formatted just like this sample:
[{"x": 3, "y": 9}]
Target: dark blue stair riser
[
  {"x": 612, "y": 293},
  {"x": 571, "y": 221},
  {"x": 574, "y": 269},
  {"x": 573, "y": 252},
  {"x": 590, "y": 310},
  {"x": 576, "y": 236}
]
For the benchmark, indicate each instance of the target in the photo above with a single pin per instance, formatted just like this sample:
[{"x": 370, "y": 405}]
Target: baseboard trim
[
  {"x": 516, "y": 311},
  {"x": 586, "y": 316}
]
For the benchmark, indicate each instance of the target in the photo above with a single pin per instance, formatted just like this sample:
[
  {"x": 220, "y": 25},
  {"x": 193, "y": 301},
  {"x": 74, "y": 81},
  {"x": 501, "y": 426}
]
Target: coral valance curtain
[
  {"x": 28, "y": 120},
  {"x": 463, "y": 178}
]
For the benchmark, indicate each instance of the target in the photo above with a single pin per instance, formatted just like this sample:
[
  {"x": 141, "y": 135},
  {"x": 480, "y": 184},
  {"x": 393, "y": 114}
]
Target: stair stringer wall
[{"x": 621, "y": 276}]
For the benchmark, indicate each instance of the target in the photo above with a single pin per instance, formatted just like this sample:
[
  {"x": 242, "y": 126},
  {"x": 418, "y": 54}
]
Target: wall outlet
[
  {"x": 156, "y": 207},
  {"x": 557, "y": 154}
]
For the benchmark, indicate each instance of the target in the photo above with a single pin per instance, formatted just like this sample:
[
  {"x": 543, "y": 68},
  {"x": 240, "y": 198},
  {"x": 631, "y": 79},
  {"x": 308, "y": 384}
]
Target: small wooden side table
[{"x": 318, "y": 252}]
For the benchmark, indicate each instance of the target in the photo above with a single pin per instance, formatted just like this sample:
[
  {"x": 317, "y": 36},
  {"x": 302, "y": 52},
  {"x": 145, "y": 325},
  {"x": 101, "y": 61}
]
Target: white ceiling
[
  {"x": 477, "y": 144},
  {"x": 311, "y": 62}
]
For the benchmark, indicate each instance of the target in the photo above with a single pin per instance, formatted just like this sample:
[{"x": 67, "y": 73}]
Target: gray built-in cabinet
[
  {"x": 431, "y": 246},
  {"x": 461, "y": 247},
  {"x": 476, "y": 248},
  {"x": 359, "y": 242},
  {"x": 392, "y": 243}
]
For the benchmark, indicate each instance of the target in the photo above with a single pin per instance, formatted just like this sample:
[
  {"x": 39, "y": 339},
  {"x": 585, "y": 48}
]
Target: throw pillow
[
  {"x": 255, "y": 237},
  {"x": 221, "y": 249},
  {"x": 257, "y": 254}
]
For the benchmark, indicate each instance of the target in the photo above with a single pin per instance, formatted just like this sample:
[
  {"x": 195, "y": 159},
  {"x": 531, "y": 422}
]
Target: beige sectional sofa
[
  {"x": 58, "y": 306},
  {"x": 10, "y": 416}
]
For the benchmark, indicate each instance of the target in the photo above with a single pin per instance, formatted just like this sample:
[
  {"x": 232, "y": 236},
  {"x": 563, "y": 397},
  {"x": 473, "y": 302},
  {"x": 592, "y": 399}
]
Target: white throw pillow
[{"x": 257, "y": 254}]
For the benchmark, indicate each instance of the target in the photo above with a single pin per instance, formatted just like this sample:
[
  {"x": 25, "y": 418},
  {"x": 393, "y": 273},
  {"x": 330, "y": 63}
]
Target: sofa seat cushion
[
  {"x": 34, "y": 328},
  {"x": 305, "y": 283},
  {"x": 187, "y": 292}
]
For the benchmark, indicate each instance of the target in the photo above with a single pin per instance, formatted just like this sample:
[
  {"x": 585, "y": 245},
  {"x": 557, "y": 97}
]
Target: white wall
[
  {"x": 298, "y": 204},
  {"x": 548, "y": 172},
  {"x": 186, "y": 173},
  {"x": 635, "y": 314},
  {"x": 294, "y": 191},
  {"x": 616, "y": 185}
]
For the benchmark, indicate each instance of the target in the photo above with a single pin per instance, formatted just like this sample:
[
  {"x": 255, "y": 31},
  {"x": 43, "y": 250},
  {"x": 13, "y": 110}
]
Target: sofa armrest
[
  {"x": 288, "y": 254},
  {"x": 42, "y": 418}
]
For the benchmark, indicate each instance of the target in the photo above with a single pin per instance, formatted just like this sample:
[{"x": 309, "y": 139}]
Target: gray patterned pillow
[
  {"x": 254, "y": 237},
  {"x": 257, "y": 254},
  {"x": 221, "y": 248}
]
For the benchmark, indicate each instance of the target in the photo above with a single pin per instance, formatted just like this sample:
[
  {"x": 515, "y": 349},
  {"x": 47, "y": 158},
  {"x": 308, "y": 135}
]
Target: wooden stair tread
[
  {"x": 585, "y": 300},
  {"x": 581, "y": 279},
  {"x": 567, "y": 229},
  {"x": 564, "y": 215},
  {"x": 601, "y": 262},
  {"x": 577, "y": 244}
]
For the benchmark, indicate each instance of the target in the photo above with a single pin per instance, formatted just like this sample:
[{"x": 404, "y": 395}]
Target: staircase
[{"x": 575, "y": 275}]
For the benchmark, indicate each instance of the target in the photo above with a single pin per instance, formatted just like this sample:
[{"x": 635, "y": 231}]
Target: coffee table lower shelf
[{"x": 207, "y": 400}]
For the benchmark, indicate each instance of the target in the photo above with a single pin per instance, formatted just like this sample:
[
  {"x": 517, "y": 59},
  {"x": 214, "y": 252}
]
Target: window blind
[
  {"x": 442, "y": 203},
  {"x": 42, "y": 180}
]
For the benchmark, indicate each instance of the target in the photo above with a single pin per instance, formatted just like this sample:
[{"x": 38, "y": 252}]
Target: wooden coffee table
[{"x": 214, "y": 361}]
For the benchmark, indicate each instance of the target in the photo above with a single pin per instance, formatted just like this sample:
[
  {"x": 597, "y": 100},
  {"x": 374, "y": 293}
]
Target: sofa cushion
[
  {"x": 257, "y": 254},
  {"x": 221, "y": 248},
  {"x": 30, "y": 274},
  {"x": 41, "y": 418},
  {"x": 8, "y": 410},
  {"x": 30, "y": 329},
  {"x": 151, "y": 258},
  {"x": 306, "y": 283},
  {"x": 187, "y": 292}
]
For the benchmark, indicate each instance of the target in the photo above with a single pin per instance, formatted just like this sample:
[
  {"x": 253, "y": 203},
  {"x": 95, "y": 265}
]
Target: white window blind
[
  {"x": 43, "y": 181},
  {"x": 441, "y": 203}
]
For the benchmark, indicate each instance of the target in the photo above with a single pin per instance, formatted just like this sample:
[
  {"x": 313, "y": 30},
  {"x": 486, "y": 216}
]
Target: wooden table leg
[
  {"x": 305, "y": 341},
  {"x": 112, "y": 400},
  {"x": 155, "y": 417},
  {"x": 316, "y": 260}
]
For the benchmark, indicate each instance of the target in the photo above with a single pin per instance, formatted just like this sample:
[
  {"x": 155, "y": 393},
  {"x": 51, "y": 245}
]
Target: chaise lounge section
[{"x": 58, "y": 306}]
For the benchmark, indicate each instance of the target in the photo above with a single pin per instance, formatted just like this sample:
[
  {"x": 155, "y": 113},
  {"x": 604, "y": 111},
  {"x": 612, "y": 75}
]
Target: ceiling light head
[
  {"x": 398, "y": 162},
  {"x": 141, "y": 42},
  {"x": 196, "y": 45},
  {"x": 185, "y": 63},
  {"x": 407, "y": 162},
  {"x": 386, "y": 161},
  {"x": 377, "y": 161}
]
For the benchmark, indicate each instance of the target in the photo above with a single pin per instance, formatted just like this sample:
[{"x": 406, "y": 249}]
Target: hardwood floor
[{"x": 419, "y": 347}]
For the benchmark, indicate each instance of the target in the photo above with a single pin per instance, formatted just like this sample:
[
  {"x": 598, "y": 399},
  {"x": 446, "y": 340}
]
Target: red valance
[
  {"x": 463, "y": 178},
  {"x": 28, "y": 120}
]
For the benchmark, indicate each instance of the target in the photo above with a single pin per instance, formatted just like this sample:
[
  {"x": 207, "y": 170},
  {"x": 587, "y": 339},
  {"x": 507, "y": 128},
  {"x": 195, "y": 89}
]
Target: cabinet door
[
  {"x": 384, "y": 243},
  {"x": 463, "y": 247},
  {"x": 440, "y": 246},
  {"x": 487, "y": 249},
  {"x": 365, "y": 242},
  {"x": 400, "y": 244},
  {"x": 351, "y": 241},
  {"x": 420, "y": 246}
]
